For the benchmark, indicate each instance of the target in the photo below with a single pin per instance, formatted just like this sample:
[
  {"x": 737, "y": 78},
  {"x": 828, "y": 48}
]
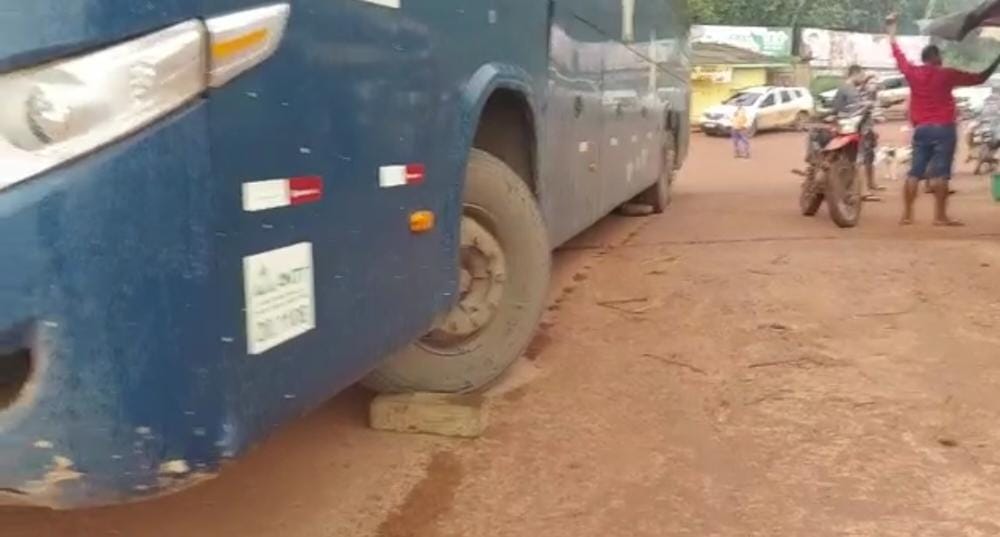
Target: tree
[
  {"x": 972, "y": 53},
  {"x": 852, "y": 15},
  {"x": 856, "y": 15}
]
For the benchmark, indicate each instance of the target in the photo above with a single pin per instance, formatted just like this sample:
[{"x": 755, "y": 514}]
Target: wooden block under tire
[
  {"x": 635, "y": 209},
  {"x": 463, "y": 416}
]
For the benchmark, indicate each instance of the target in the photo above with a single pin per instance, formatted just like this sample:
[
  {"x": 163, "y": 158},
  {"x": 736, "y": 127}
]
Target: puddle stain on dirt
[{"x": 428, "y": 501}]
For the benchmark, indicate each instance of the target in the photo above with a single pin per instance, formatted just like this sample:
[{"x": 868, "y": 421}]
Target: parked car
[
  {"x": 893, "y": 90},
  {"x": 767, "y": 107},
  {"x": 970, "y": 100}
]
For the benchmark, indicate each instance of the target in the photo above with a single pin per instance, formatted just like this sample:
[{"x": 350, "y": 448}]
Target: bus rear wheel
[
  {"x": 658, "y": 195},
  {"x": 504, "y": 265}
]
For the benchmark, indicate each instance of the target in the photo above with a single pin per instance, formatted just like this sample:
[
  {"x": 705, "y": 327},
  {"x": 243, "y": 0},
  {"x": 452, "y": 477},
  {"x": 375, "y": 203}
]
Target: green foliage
[
  {"x": 853, "y": 15},
  {"x": 973, "y": 54},
  {"x": 857, "y": 15}
]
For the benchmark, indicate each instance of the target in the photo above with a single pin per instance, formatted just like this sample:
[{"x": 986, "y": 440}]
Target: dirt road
[{"x": 727, "y": 369}]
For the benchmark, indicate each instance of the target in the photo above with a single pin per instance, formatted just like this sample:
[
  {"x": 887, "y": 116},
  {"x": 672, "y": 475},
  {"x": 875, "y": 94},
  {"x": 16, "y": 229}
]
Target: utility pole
[
  {"x": 929, "y": 13},
  {"x": 795, "y": 27},
  {"x": 628, "y": 20}
]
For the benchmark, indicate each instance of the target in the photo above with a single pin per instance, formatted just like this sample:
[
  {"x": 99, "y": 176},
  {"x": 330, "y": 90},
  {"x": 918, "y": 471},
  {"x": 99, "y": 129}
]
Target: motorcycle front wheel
[
  {"x": 811, "y": 196},
  {"x": 843, "y": 191}
]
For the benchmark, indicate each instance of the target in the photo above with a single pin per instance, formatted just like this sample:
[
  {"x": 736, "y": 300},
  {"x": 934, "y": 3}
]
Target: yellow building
[{"x": 719, "y": 71}]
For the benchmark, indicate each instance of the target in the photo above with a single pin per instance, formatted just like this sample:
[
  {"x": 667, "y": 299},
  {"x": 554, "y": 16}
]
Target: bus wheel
[
  {"x": 658, "y": 195},
  {"x": 505, "y": 262}
]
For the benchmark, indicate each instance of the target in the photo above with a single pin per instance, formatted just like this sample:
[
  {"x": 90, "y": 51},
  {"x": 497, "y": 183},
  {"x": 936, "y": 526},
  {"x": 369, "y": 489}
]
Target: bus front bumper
[{"x": 111, "y": 346}]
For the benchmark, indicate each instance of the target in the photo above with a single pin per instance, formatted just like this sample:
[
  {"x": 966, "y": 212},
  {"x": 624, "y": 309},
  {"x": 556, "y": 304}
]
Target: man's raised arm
[
  {"x": 960, "y": 78},
  {"x": 985, "y": 75},
  {"x": 902, "y": 62}
]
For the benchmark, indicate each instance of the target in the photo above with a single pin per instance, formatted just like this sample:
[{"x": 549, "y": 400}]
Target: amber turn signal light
[{"x": 421, "y": 221}]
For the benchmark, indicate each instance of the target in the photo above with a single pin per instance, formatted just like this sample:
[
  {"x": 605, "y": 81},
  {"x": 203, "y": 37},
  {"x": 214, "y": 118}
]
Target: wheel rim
[{"x": 482, "y": 279}]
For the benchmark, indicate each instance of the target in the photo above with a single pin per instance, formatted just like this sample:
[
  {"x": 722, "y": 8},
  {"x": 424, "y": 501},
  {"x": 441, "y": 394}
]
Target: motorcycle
[
  {"x": 983, "y": 146},
  {"x": 832, "y": 171}
]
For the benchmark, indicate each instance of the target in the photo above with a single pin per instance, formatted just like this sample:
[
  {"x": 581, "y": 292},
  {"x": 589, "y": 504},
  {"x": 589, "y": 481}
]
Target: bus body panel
[
  {"x": 113, "y": 277},
  {"x": 615, "y": 86},
  {"x": 354, "y": 88},
  {"x": 127, "y": 268},
  {"x": 574, "y": 126},
  {"x": 40, "y": 30}
]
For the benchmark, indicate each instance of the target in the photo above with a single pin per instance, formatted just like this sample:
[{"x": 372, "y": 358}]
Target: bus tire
[
  {"x": 658, "y": 195},
  {"x": 504, "y": 278}
]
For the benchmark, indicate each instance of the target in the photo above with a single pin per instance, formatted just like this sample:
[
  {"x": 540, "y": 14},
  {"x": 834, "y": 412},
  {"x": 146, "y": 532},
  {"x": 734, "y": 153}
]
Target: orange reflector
[
  {"x": 238, "y": 44},
  {"x": 421, "y": 221}
]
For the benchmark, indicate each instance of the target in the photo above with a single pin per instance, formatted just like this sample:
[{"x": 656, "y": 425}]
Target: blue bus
[{"x": 218, "y": 213}]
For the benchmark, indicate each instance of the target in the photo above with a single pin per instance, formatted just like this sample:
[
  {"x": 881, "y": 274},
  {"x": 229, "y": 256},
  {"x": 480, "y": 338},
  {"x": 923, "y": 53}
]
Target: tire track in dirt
[
  {"x": 543, "y": 337},
  {"x": 431, "y": 499}
]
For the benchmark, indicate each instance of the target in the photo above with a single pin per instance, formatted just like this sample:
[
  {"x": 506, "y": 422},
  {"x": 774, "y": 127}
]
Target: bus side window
[
  {"x": 657, "y": 19},
  {"x": 628, "y": 20}
]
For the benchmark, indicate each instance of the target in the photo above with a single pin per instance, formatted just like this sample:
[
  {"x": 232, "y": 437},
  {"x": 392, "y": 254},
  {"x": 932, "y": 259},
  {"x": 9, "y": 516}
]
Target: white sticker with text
[
  {"x": 385, "y": 3},
  {"x": 263, "y": 195},
  {"x": 280, "y": 300}
]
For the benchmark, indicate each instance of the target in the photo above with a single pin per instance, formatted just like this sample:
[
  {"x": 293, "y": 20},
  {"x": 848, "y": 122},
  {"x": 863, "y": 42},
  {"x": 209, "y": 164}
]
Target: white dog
[{"x": 891, "y": 158}]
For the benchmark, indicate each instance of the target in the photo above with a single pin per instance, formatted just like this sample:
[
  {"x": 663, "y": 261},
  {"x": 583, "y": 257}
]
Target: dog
[{"x": 891, "y": 158}]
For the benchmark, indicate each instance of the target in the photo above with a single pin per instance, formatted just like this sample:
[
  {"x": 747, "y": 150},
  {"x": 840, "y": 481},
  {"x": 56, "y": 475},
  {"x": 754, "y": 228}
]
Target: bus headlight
[
  {"x": 61, "y": 110},
  {"x": 58, "y": 111}
]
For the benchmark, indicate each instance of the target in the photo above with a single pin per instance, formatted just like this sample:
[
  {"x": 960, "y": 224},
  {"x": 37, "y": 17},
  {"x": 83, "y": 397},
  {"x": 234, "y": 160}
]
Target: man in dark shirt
[
  {"x": 933, "y": 114},
  {"x": 849, "y": 95}
]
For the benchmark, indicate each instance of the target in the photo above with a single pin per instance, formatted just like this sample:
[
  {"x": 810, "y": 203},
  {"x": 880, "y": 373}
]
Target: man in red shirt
[{"x": 933, "y": 114}]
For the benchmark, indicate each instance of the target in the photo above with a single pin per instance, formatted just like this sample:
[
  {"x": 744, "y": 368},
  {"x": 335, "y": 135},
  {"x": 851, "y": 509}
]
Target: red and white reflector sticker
[
  {"x": 393, "y": 176},
  {"x": 307, "y": 189},
  {"x": 274, "y": 193}
]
